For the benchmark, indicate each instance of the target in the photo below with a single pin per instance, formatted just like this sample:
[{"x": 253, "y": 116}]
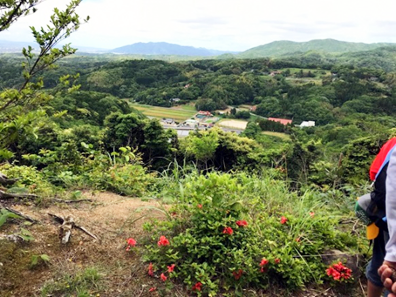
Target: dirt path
[{"x": 111, "y": 217}]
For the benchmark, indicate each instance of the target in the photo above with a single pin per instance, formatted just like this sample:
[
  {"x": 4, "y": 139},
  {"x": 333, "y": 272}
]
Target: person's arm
[
  {"x": 390, "y": 203},
  {"x": 386, "y": 271}
]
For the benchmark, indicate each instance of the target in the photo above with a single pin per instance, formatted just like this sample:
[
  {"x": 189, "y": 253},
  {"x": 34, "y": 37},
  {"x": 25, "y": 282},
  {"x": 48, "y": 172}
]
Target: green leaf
[{"x": 45, "y": 257}]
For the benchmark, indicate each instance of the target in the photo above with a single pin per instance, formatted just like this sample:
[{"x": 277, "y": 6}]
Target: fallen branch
[
  {"x": 66, "y": 229},
  {"x": 21, "y": 215},
  {"x": 72, "y": 201},
  {"x": 4, "y": 195},
  {"x": 67, "y": 225},
  {"x": 86, "y": 231},
  {"x": 4, "y": 180}
]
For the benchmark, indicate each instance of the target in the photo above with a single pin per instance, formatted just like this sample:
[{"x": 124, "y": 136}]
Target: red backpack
[
  {"x": 379, "y": 160},
  {"x": 378, "y": 175}
]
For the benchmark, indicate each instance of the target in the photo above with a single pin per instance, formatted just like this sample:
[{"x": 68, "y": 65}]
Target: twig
[
  {"x": 86, "y": 231},
  {"x": 21, "y": 215},
  {"x": 361, "y": 287},
  {"x": 354, "y": 227},
  {"x": 72, "y": 201}
]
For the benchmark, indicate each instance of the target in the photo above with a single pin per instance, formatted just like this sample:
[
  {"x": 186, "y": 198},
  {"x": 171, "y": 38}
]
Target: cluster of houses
[{"x": 199, "y": 120}]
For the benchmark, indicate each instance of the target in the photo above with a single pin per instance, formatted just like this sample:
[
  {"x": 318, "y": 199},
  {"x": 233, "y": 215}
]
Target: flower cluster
[
  {"x": 242, "y": 223},
  {"x": 171, "y": 268},
  {"x": 228, "y": 230},
  {"x": 237, "y": 274},
  {"x": 131, "y": 243},
  {"x": 339, "y": 272},
  {"x": 263, "y": 265},
  {"x": 197, "y": 286},
  {"x": 163, "y": 241},
  {"x": 151, "y": 269}
]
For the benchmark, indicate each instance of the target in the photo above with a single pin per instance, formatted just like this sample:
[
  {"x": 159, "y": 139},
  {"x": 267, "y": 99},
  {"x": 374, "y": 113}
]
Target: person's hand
[{"x": 387, "y": 272}]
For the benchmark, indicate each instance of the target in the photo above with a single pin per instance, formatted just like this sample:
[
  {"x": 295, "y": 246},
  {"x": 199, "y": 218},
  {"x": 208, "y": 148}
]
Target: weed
[{"x": 81, "y": 283}]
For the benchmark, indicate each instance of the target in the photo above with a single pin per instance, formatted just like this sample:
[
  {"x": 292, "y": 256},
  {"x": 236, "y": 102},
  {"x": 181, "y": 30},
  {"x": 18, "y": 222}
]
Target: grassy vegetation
[
  {"x": 82, "y": 283},
  {"x": 178, "y": 114},
  {"x": 187, "y": 107},
  {"x": 277, "y": 134}
]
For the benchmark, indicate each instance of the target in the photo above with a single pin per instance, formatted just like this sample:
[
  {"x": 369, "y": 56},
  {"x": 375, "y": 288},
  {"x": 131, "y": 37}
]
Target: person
[
  {"x": 389, "y": 264},
  {"x": 378, "y": 211}
]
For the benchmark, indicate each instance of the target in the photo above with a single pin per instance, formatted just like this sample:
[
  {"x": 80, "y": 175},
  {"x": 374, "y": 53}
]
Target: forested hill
[
  {"x": 164, "y": 48},
  {"x": 282, "y": 48}
]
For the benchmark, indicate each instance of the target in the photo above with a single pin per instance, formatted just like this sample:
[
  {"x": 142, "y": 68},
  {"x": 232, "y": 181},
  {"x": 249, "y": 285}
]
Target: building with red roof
[{"x": 282, "y": 121}]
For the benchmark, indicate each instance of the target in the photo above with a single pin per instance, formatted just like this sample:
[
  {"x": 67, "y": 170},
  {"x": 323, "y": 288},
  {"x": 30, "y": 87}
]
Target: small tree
[{"x": 19, "y": 106}]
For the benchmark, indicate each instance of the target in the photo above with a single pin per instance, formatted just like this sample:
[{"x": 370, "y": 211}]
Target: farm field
[
  {"x": 176, "y": 113},
  {"x": 277, "y": 134},
  {"x": 238, "y": 124}
]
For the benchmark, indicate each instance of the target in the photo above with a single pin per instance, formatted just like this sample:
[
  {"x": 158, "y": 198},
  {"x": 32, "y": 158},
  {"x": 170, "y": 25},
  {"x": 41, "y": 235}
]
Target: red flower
[
  {"x": 241, "y": 223},
  {"x": 163, "y": 277},
  {"x": 339, "y": 272},
  {"x": 277, "y": 261},
  {"x": 171, "y": 268},
  {"x": 312, "y": 214},
  {"x": 151, "y": 269},
  {"x": 163, "y": 241},
  {"x": 197, "y": 286},
  {"x": 152, "y": 289},
  {"x": 263, "y": 262},
  {"x": 283, "y": 220},
  {"x": 131, "y": 242},
  {"x": 199, "y": 206},
  {"x": 263, "y": 269},
  {"x": 228, "y": 230},
  {"x": 238, "y": 274}
]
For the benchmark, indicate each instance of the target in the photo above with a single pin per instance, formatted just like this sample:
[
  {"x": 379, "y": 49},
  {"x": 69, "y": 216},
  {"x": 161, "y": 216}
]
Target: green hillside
[{"x": 284, "y": 47}]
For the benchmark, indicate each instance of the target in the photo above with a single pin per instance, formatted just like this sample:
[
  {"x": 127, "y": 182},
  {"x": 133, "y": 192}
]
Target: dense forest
[{"x": 256, "y": 211}]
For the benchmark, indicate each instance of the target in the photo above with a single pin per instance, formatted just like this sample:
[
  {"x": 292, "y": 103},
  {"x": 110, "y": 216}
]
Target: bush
[{"x": 235, "y": 231}]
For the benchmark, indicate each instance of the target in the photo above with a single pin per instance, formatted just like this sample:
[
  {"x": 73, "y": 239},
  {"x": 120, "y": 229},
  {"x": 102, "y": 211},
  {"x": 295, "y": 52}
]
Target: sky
[{"x": 234, "y": 25}]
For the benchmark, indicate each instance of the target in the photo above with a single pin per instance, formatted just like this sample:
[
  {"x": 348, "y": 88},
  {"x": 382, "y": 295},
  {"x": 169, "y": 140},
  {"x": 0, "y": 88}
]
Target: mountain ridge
[
  {"x": 164, "y": 48},
  {"x": 286, "y": 47}
]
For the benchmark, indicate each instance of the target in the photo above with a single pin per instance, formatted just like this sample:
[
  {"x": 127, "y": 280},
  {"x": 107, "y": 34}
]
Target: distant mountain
[
  {"x": 283, "y": 48},
  {"x": 13, "y": 46},
  {"x": 7, "y": 46},
  {"x": 164, "y": 48}
]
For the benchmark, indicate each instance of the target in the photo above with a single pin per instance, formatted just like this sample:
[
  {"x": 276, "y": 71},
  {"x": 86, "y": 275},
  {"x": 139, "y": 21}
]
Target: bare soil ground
[
  {"x": 233, "y": 124},
  {"x": 111, "y": 217}
]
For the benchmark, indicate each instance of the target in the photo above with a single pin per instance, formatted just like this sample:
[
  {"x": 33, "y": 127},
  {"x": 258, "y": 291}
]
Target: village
[{"x": 204, "y": 120}]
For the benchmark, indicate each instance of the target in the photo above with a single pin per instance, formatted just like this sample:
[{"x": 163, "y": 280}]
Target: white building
[{"x": 307, "y": 124}]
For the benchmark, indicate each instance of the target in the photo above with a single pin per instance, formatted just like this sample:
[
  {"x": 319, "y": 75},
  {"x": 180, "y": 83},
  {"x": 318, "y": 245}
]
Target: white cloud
[{"x": 220, "y": 24}]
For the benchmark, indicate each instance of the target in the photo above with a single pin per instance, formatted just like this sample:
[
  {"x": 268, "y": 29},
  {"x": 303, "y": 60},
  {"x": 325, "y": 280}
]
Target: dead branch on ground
[
  {"x": 4, "y": 195},
  {"x": 66, "y": 228}
]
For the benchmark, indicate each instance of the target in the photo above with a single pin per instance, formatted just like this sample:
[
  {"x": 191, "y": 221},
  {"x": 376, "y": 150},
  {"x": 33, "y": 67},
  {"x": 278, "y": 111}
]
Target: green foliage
[
  {"x": 205, "y": 250},
  {"x": 81, "y": 283},
  {"x": 5, "y": 214},
  {"x": 38, "y": 260},
  {"x": 11, "y": 10},
  {"x": 30, "y": 179},
  {"x": 26, "y": 235}
]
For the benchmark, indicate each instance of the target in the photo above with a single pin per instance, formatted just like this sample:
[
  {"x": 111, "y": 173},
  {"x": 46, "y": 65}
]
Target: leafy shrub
[
  {"x": 30, "y": 179},
  {"x": 234, "y": 232}
]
